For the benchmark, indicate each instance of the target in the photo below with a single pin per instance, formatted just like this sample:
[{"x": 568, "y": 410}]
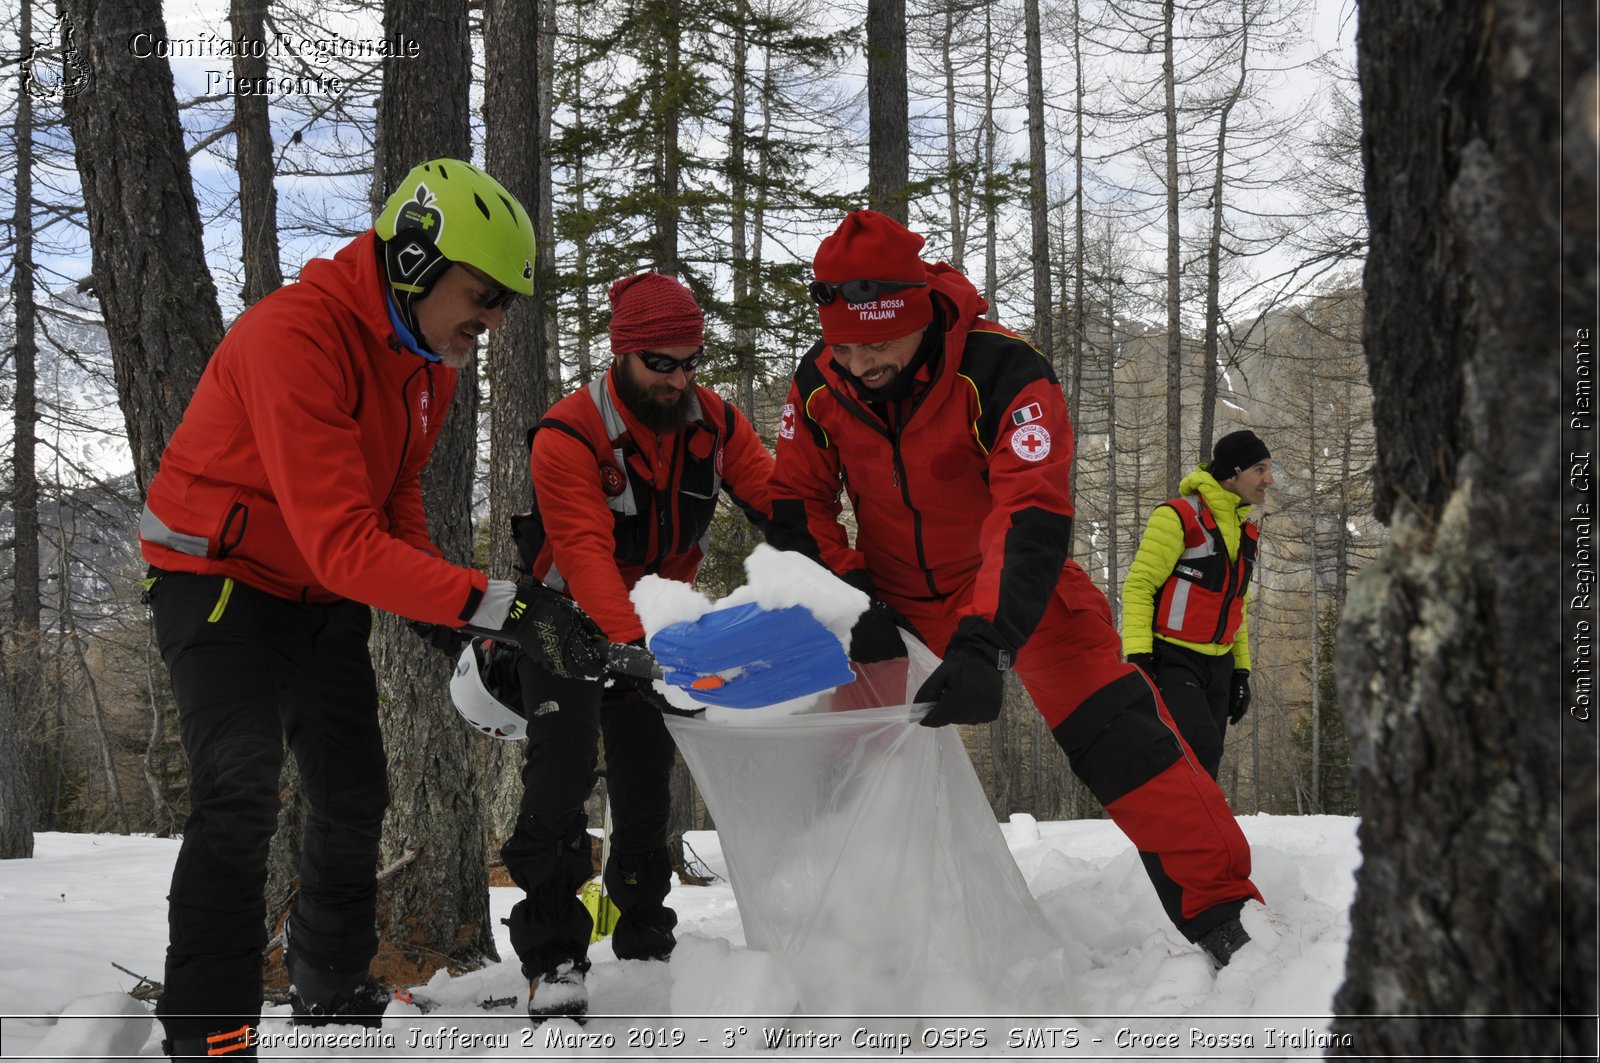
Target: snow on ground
[{"x": 85, "y": 902}]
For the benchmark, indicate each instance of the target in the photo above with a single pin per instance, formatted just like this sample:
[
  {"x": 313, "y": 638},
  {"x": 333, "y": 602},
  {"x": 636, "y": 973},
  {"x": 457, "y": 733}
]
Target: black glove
[
  {"x": 970, "y": 685},
  {"x": 557, "y": 635},
  {"x": 447, "y": 640},
  {"x": 876, "y": 636},
  {"x": 1146, "y": 663},
  {"x": 1239, "y": 695}
]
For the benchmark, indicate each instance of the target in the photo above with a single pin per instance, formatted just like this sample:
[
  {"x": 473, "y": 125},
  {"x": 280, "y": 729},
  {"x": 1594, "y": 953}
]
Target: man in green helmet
[{"x": 287, "y": 506}]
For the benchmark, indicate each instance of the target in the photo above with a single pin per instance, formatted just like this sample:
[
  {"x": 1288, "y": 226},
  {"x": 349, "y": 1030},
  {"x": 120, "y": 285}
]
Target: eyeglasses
[
  {"x": 857, "y": 291},
  {"x": 496, "y": 296},
  {"x": 657, "y": 362}
]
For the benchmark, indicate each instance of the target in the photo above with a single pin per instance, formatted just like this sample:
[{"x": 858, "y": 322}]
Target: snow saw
[{"x": 741, "y": 657}]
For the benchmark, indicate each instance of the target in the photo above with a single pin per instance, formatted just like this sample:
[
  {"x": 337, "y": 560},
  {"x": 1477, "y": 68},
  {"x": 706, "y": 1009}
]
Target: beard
[{"x": 644, "y": 403}]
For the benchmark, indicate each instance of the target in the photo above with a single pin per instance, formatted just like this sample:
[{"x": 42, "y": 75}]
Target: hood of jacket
[{"x": 353, "y": 278}]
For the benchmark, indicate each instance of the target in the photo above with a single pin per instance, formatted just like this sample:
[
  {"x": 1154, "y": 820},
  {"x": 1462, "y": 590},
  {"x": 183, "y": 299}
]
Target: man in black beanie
[{"x": 1183, "y": 602}]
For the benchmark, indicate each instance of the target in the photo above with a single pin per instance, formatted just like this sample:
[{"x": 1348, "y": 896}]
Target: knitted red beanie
[
  {"x": 651, "y": 310},
  {"x": 872, "y": 246}
]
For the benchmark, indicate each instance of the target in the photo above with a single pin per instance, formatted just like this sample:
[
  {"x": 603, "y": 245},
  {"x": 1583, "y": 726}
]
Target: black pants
[
  {"x": 548, "y": 853},
  {"x": 250, "y": 670},
  {"x": 1195, "y": 688}
]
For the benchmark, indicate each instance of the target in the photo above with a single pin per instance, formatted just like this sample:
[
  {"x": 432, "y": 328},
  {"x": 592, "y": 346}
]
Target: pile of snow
[{"x": 86, "y": 902}]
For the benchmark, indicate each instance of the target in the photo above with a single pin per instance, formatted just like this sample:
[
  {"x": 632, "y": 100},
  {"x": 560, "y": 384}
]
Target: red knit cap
[
  {"x": 651, "y": 310},
  {"x": 872, "y": 246}
]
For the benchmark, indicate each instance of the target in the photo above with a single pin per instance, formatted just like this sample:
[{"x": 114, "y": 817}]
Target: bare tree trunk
[
  {"x": 1075, "y": 399},
  {"x": 889, "y": 133},
  {"x": 108, "y": 760},
  {"x": 519, "y": 386},
  {"x": 1174, "y": 280},
  {"x": 991, "y": 201},
  {"x": 436, "y": 911},
  {"x": 22, "y": 662},
  {"x": 667, "y": 192},
  {"x": 1113, "y": 512},
  {"x": 744, "y": 334},
  {"x": 150, "y": 275},
  {"x": 1038, "y": 190},
  {"x": 582, "y": 279},
  {"x": 515, "y": 128},
  {"x": 16, "y": 798},
  {"x": 163, "y": 817},
  {"x": 544, "y": 216},
  {"x": 1313, "y": 452},
  {"x": 1208, "y": 378},
  {"x": 952, "y": 157},
  {"x": 1474, "y": 918},
  {"x": 258, "y": 200}
]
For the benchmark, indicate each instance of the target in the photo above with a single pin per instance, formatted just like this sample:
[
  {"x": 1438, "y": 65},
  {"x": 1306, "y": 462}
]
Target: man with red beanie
[
  {"x": 626, "y": 473},
  {"x": 949, "y": 433}
]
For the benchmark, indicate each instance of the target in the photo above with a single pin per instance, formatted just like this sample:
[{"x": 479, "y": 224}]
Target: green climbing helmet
[{"x": 451, "y": 209}]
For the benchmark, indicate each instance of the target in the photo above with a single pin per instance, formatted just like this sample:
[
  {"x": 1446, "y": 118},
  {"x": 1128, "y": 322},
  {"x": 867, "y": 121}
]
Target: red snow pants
[{"x": 1121, "y": 741}]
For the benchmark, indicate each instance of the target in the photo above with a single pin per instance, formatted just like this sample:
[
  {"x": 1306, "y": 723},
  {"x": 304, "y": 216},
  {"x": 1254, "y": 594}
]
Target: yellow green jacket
[{"x": 1159, "y": 551}]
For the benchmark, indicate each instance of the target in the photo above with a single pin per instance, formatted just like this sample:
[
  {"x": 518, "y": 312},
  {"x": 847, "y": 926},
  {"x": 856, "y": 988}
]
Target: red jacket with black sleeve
[
  {"x": 295, "y": 468},
  {"x": 615, "y": 501},
  {"x": 960, "y": 489}
]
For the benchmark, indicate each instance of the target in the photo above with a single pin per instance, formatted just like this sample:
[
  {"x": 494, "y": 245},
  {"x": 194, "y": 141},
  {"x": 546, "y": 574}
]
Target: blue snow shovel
[
  {"x": 741, "y": 657},
  {"x": 747, "y": 657}
]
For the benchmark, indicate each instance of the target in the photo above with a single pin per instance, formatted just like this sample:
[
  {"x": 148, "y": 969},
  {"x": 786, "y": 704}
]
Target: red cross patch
[
  {"x": 1031, "y": 442},
  {"x": 611, "y": 480},
  {"x": 786, "y": 423}
]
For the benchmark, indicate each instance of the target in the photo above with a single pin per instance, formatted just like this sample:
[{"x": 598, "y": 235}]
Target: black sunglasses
[
  {"x": 497, "y": 295},
  {"x": 657, "y": 362},
  {"x": 497, "y": 298},
  {"x": 857, "y": 291}
]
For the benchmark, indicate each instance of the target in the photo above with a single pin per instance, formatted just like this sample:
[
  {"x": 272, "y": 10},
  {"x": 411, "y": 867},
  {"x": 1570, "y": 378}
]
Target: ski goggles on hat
[
  {"x": 657, "y": 362},
  {"x": 857, "y": 291}
]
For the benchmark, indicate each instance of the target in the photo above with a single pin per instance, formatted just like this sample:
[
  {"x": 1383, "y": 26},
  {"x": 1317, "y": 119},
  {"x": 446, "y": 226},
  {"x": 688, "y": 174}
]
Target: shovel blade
[{"x": 747, "y": 657}]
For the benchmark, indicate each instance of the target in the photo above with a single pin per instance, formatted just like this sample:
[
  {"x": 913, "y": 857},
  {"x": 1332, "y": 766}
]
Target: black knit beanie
[{"x": 1236, "y": 452}]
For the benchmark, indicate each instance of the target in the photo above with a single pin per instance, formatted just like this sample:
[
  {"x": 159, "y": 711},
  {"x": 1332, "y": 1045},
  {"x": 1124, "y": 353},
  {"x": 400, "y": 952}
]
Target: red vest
[
  {"x": 1203, "y": 599},
  {"x": 654, "y": 531}
]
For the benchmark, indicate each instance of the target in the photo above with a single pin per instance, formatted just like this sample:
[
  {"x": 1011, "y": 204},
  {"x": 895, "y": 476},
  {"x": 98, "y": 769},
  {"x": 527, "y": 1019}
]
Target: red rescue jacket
[
  {"x": 613, "y": 501},
  {"x": 295, "y": 468},
  {"x": 1203, "y": 599},
  {"x": 960, "y": 489}
]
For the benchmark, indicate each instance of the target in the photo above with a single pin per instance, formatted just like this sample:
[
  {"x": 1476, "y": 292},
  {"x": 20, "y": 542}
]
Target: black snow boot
[
  {"x": 238, "y": 1043},
  {"x": 1223, "y": 940},
  {"x": 322, "y": 998},
  {"x": 559, "y": 994}
]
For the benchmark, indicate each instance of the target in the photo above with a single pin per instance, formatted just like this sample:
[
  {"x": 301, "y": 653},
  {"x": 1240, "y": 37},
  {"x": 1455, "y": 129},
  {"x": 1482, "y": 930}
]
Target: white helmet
[{"x": 486, "y": 692}]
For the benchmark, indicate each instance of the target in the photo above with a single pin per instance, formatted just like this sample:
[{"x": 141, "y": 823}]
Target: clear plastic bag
[{"x": 861, "y": 849}]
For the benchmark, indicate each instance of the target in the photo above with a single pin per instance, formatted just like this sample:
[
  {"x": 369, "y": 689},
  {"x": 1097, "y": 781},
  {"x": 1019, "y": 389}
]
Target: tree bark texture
[
  {"x": 1038, "y": 187},
  {"x": 888, "y": 117},
  {"x": 258, "y": 199},
  {"x": 1169, "y": 82},
  {"x": 1476, "y": 893},
  {"x": 16, "y": 797},
  {"x": 1212, "y": 345},
  {"x": 516, "y": 362},
  {"x": 150, "y": 275},
  {"x": 24, "y": 664},
  {"x": 435, "y": 911}
]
